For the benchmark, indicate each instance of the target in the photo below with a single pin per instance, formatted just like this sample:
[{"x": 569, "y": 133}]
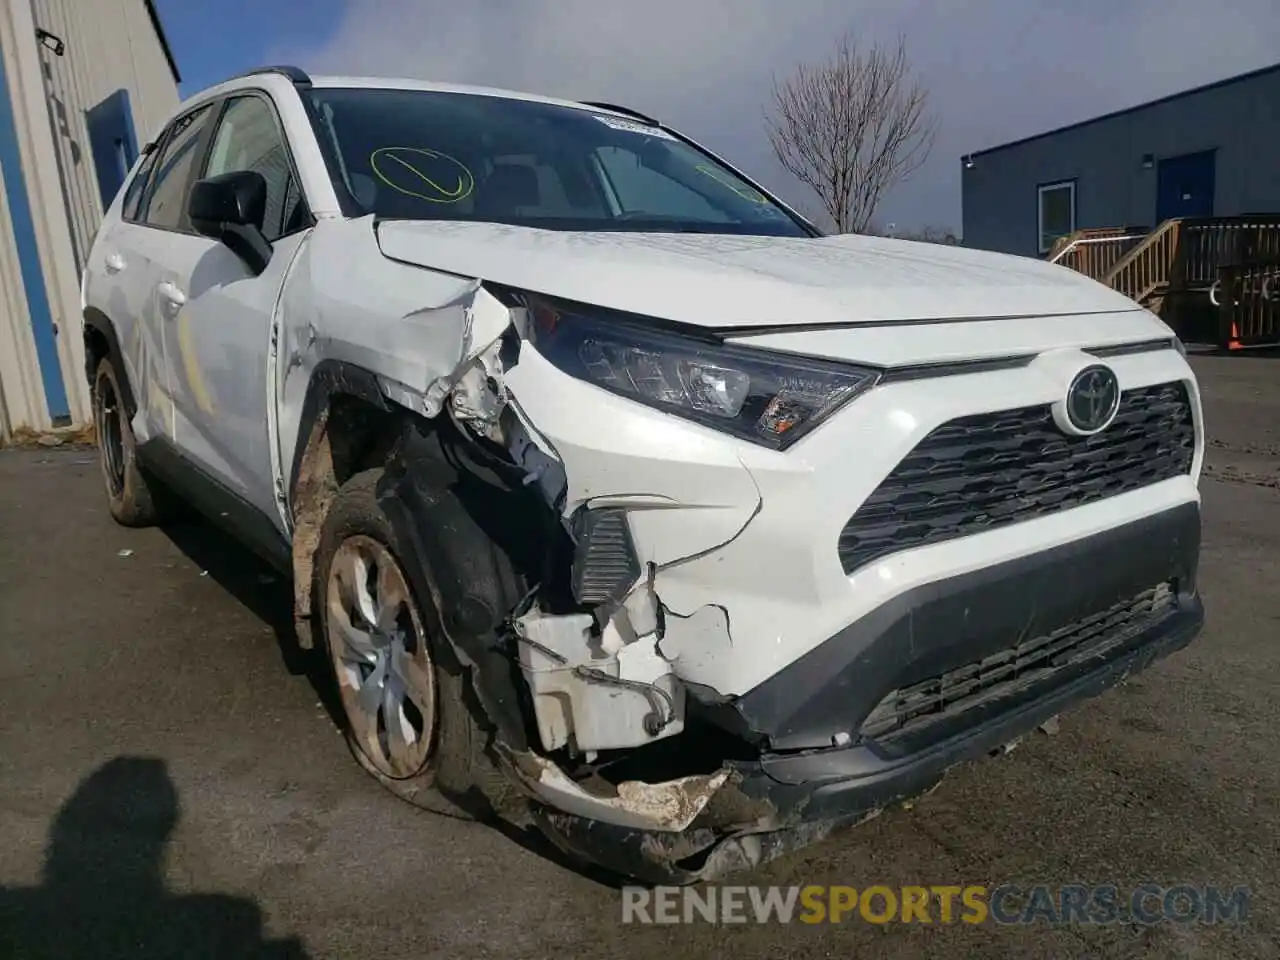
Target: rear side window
[
  {"x": 167, "y": 203},
  {"x": 138, "y": 186}
]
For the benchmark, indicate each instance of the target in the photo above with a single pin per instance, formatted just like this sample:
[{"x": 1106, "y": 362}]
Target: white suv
[{"x": 616, "y": 495}]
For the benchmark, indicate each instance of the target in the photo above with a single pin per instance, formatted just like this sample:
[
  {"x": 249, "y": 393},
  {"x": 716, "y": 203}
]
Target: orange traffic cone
[{"x": 1234, "y": 342}]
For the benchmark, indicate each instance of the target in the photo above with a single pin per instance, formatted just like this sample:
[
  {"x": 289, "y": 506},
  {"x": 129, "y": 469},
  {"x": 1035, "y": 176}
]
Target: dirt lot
[{"x": 171, "y": 786}]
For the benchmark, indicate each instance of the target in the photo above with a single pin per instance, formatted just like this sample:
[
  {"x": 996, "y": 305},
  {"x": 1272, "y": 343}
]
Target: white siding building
[{"x": 83, "y": 84}]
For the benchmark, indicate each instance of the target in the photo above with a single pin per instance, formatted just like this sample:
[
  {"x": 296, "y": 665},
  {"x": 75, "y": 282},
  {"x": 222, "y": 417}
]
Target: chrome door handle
[
  {"x": 114, "y": 263},
  {"x": 172, "y": 294}
]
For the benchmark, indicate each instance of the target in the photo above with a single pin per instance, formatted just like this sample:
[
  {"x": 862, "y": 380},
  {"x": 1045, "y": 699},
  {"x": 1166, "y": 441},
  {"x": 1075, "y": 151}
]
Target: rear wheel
[
  {"x": 134, "y": 499},
  {"x": 408, "y": 716}
]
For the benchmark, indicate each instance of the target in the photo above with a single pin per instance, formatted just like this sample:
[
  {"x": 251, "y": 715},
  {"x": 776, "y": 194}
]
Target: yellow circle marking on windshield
[
  {"x": 741, "y": 189},
  {"x": 404, "y": 163}
]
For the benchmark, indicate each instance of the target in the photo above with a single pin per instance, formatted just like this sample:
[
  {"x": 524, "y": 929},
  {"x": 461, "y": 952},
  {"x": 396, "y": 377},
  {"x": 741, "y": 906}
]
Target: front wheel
[{"x": 407, "y": 716}]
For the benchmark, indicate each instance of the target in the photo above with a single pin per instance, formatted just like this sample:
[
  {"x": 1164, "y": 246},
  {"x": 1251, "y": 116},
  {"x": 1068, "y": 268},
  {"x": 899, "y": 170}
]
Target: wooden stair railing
[
  {"x": 1188, "y": 265},
  {"x": 1094, "y": 251},
  {"x": 1068, "y": 240},
  {"x": 1146, "y": 269}
]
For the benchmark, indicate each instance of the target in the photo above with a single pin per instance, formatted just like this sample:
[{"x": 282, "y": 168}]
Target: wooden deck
[{"x": 1213, "y": 279}]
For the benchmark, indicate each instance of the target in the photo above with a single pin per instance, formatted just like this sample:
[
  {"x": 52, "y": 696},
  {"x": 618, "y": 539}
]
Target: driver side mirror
[{"x": 231, "y": 209}]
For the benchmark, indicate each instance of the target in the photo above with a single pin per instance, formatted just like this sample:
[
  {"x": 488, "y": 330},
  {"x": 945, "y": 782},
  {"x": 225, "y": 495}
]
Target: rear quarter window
[{"x": 138, "y": 186}]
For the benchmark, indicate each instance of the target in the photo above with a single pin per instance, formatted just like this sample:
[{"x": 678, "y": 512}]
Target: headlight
[{"x": 772, "y": 399}]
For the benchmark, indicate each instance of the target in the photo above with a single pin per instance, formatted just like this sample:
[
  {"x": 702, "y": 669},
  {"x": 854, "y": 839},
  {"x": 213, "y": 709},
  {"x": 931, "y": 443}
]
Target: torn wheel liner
[{"x": 439, "y": 502}]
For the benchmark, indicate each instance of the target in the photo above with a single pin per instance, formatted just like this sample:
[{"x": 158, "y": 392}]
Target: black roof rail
[
  {"x": 296, "y": 75},
  {"x": 617, "y": 109}
]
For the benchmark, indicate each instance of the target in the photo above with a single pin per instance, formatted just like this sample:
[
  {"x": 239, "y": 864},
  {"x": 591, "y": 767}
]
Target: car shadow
[
  {"x": 264, "y": 591},
  {"x": 103, "y": 896},
  {"x": 533, "y": 841}
]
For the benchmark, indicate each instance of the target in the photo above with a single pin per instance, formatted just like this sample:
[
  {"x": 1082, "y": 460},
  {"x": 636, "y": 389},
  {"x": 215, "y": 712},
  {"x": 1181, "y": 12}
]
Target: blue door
[
  {"x": 1184, "y": 186},
  {"x": 112, "y": 140}
]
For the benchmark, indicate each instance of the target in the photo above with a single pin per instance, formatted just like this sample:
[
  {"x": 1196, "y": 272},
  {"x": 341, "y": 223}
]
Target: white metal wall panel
[
  {"x": 45, "y": 198},
  {"x": 110, "y": 45},
  {"x": 21, "y": 391}
]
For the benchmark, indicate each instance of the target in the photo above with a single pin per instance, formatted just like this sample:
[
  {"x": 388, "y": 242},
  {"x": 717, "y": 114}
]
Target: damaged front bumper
[
  {"x": 714, "y": 686},
  {"x": 749, "y": 811}
]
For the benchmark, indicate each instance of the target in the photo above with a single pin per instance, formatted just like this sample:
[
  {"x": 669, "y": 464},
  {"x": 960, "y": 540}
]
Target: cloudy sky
[{"x": 997, "y": 70}]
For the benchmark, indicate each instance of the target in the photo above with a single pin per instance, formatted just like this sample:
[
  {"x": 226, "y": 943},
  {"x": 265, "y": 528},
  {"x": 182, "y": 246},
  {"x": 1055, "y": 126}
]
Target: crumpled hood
[{"x": 736, "y": 281}]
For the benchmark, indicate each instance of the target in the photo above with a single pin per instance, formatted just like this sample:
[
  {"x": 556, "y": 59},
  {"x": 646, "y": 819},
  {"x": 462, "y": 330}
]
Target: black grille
[
  {"x": 604, "y": 562},
  {"x": 1035, "y": 661},
  {"x": 993, "y": 469}
]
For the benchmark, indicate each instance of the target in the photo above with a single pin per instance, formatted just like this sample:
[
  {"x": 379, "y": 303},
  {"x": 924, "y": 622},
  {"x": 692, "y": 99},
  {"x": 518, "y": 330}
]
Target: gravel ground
[{"x": 169, "y": 780}]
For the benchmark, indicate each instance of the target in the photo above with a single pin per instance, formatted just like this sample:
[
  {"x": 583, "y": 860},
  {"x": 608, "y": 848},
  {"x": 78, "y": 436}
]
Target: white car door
[
  {"x": 124, "y": 269},
  {"x": 218, "y": 313}
]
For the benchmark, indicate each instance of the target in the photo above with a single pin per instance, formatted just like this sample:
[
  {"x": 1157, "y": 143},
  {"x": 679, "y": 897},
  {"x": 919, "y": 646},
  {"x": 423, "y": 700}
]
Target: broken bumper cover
[{"x": 931, "y": 646}]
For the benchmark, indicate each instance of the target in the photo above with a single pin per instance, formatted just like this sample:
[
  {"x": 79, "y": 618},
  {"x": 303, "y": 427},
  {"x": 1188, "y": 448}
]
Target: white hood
[{"x": 735, "y": 281}]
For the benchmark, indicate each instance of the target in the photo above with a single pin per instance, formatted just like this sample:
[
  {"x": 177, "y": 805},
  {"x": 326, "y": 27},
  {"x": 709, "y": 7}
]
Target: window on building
[
  {"x": 1057, "y": 212},
  {"x": 167, "y": 204},
  {"x": 249, "y": 138}
]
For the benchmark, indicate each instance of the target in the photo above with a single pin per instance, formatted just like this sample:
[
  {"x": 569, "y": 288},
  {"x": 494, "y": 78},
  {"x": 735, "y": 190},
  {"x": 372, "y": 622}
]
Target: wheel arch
[
  {"x": 345, "y": 425},
  {"x": 469, "y": 531},
  {"x": 101, "y": 342}
]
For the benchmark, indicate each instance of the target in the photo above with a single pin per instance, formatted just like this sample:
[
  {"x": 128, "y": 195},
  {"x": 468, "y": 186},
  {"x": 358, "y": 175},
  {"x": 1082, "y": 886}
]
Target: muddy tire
[
  {"x": 134, "y": 498},
  {"x": 408, "y": 713}
]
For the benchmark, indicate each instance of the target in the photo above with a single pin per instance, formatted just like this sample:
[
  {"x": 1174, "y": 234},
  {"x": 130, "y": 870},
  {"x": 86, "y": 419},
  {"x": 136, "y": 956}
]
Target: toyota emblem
[{"x": 1092, "y": 399}]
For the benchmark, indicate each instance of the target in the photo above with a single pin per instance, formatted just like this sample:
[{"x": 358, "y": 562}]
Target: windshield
[{"x": 432, "y": 155}]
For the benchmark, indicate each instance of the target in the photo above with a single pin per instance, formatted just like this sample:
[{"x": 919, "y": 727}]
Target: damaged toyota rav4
[{"x": 619, "y": 500}]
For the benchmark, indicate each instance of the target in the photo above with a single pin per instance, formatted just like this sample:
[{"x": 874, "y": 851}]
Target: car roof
[
  {"x": 331, "y": 82},
  {"x": 407, "y": 83}
]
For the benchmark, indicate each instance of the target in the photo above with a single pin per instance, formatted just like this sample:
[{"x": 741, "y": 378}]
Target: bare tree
[{"x": 851, "y": 127}]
